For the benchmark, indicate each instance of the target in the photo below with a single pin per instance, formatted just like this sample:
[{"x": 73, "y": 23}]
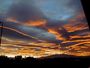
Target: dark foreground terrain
[{"x": 79, "y": 62}]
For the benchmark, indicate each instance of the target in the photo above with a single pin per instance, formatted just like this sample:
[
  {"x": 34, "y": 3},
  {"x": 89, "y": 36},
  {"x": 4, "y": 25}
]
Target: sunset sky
[
  {"x": 57, "y": 22},
  {"x": 51, "y": 9}
]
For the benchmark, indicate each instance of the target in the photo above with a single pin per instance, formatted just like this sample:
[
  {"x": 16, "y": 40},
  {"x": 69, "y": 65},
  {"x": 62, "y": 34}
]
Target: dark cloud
[
  {"x": 79, "y": 32},
  {"x": 55, "y": 23},
  {"x": 75, "y": 4},
  {"x": 24, "y": 11},
  {"x": 38, "y": 34}
]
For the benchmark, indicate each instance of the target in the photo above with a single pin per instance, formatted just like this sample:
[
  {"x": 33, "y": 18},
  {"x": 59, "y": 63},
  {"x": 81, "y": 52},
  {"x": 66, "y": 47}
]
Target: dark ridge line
[
  {"x": 55, "y": 60},
  {"x": 47, "y": 57}
]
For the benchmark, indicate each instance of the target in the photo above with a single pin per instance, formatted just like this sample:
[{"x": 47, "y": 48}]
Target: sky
[
  {"x": 30, "y": 9},
  {"x": 54, "y": 11},
  {"x": 58, "y": 9},
  {"x": 44, "y": 24}
]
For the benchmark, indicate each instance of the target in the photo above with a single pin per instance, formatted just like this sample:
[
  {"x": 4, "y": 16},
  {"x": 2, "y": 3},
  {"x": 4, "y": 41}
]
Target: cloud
[
  {"x": 20, "y": 32},
  {"x": 37, "y": 9},
  {"x": 59, "y": 9},
  {"x": 24, "y": 11}
]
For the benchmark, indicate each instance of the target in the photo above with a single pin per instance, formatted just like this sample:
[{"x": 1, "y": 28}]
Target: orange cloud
[{"x": 35, "y": 23}]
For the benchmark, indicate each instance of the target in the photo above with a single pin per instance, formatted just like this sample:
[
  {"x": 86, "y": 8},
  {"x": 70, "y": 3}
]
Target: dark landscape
[{"x": 51, "y": 60}]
